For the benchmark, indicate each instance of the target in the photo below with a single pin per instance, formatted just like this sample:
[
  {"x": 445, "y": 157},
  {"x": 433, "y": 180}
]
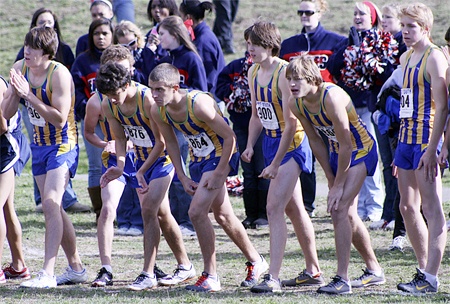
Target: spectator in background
[
  {"x": 64, "y": 54},
  {"x": 226, "y": 11},
  {"x": 319, "y": 43},
  {"x": 98, "y": 9},
  {"x": 232, "y": 87},
  {"x": 208, "y": 47},
  {"x": 84, "y": 71},
  {"x": 127, "y": 34}
]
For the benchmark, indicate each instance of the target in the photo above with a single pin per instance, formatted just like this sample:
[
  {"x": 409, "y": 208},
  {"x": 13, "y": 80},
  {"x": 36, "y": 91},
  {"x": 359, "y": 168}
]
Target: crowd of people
[{"x": 142, "y": 103}]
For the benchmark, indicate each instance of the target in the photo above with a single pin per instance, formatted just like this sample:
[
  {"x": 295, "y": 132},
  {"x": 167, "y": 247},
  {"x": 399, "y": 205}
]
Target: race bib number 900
[
  {"x": 139, "y": 136},
  {"x": 266, "y": 114},
  {"x": 200, "y": 144}
]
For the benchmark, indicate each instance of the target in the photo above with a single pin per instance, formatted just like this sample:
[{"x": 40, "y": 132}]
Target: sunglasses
[
  {"x": 130, "y": 44},
  {"x": 307, "y": 13}
]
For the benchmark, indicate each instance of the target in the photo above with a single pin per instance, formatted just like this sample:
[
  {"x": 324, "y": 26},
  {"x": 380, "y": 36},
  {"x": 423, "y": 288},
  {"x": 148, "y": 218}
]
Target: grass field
[{"x": 15, "y": 16}]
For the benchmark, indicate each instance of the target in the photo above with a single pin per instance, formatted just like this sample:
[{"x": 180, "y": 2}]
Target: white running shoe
[
  {"x": 42, "y": 280},
  {"x": 180, "y": 275},
  {"x": 72, "y": 277},
  {"x": 187, "y": 232},
  {"x": 378, "y": 225},
  {"x": 133, "y": 232},
  {"x": 122, "y": 231},
  {"x": 143, "y": 282},
  {"x": 390, "y": 226},
  {"x": 398, "y": 243},
  {"x": 254, "y": 271}
]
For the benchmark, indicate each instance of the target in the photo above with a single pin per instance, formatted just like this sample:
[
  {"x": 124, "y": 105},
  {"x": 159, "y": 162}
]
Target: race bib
[
  {"x": 35, "y": 118},
  {"x": 406, "y": 104},
  {"x": 266, "y": 114},
  {"x": 328, "y": 131},
  {"x": 139, "y": 136},
  {"x": 200, "y": 144}
]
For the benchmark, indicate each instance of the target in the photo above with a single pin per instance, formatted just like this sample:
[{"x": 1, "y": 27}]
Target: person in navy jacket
[
  {"x": 207, "y": 44},
  {"x": 183, "y": 54}
]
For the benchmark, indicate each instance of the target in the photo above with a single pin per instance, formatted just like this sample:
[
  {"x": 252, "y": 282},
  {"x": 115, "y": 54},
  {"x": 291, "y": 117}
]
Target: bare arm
[
  {"x": 436, "y": 70},
  {"x": 62, "y": 92},
  {"x": 288, "y": 133},
  {"x": 255, "y": 127},
  {"x": 91, "y": 119},
  {"x": 205, "y": 111},
  {"x": 158, "y": 147},
  {"x": 173, "y": 150},
  {"x": 121, "y": 143},
  {"x": 3, "y": 122},
  {"x": 11, "y": 98}
]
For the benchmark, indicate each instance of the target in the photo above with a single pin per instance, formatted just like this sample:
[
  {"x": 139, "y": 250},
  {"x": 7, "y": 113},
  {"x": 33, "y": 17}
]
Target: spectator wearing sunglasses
[
  {"x": 127, "y": 34},
  {"x": 317, "y": 42}
]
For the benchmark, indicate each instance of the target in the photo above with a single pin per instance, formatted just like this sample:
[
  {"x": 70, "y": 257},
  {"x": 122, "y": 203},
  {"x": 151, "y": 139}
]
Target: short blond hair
[
  {"x": 303, "y": 66},
  {"x": 419, "y": 12},
  {"x": 321, "y": 5}
]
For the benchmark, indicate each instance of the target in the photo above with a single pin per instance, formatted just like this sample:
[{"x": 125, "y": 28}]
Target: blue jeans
[
  {"x": 129, "y": 210},
  {"x": 390, "y": 182},
  {"x": 123, "y": 10},
  {"x": 371, "y": 195},
  {"x": 94, "y": 155},
  {"x": 69, "y": 196},
  {"x": 180, "y": 201}
]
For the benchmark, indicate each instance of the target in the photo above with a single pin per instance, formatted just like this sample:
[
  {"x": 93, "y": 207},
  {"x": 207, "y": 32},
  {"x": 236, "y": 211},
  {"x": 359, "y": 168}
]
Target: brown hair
[
  {"x": 175, "y": 26},
  {"x": 267, "y": 35},
  {"x": 165, "y": 72},
  {"x": 116, "y": 52},
  {"x": 43, "y": 38}
]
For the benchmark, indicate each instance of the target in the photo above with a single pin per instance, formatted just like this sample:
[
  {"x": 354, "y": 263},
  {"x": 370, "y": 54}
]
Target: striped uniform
[
  {"x": 52, "y": 147},
  {"x": 204, "y": 144},
  {"x": 363, "y": 144},
  {"x": 269, "y": 107},
  {"x": 417, "y": 111},
  {"x": 45, "y": 134},
  {"x": 110, "y": 160},
  {"x": 137, "y": 127}
]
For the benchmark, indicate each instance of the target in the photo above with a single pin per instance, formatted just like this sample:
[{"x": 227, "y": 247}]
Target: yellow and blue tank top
[
  {"x": 417, "y": 125},
  {"x": 137, "y": 125},
  {"x": 361, "y": 139},
  {"x": 269, "y": 106},
  {"x": 203, "y": 142},
  {"x": 46, "y": 134}
]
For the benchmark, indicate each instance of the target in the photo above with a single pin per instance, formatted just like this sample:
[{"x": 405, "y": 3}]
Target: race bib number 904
[
  {"x": 200, "y": 144},
  {"x": 406, "y": 104},
  {"x": 266, "y": 114},
  {"x": 139, "y": 136}
]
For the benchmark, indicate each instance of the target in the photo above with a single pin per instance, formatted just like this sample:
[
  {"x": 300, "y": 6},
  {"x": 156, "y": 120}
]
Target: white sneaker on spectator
[
  {"x": 397, "y": 243},
  {"x": 390, "y": 226},
  {"x": 378, "y": 225},
  {"x": 42, "y": 280},
  {"x": 187, "y": 232},
  {"x": 122, "y": 231},
  {"x": 133, "y": 232},
  {"x": 143, "y": 282}
]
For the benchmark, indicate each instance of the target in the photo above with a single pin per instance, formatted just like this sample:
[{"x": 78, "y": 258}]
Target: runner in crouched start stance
[{"x": 213, "y": 157}]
